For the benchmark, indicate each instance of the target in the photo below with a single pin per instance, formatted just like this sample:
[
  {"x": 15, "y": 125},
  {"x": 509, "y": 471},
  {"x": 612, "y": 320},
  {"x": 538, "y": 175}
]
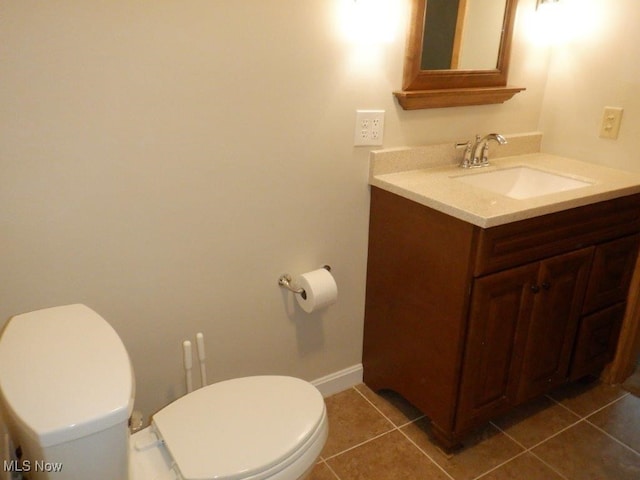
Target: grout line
[
  {"x": 612, "y": 437},
  {"x": 557, "y": 402},
  {"x": 607, "y": 405},
  {"x": 551, "y": 467},
  {"x": 392, "y": 425},
  {"x": 331, "y": 470},
  {"x": 367, "y": 440},
  {"x": 581, "y": 419},
  {"x": 398, "y": 428},
  {"x": 589, "y": 414},
  {"x": 359, "y": 444},
  {"x": 375, "y": 407},
  {"x": 408, "y": 422},
  {"x": 524, "y": 452},
  {"x": 426, "y": 455},
  {"x": 556, "y": 434},
  {"x": 585, "y": 419},
  {"x": 529, "y": 450},
  {"x": 509, "y": 437}
]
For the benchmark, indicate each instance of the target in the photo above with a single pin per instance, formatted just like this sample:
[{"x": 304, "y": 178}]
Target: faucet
[{"x": 477, "y": 155}]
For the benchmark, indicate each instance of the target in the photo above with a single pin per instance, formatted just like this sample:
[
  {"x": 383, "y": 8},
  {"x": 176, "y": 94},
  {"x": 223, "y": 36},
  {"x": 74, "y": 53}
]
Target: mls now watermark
[{"x": 17, "y": 466}]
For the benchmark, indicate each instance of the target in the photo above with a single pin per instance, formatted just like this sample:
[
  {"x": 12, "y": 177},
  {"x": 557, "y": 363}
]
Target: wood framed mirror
[{"x": 458, "y": 54}]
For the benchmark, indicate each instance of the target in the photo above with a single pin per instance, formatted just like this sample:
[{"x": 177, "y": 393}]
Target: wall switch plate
[
  {"x": 369, "y": 130},
  {"x": 611, "y": 119}
]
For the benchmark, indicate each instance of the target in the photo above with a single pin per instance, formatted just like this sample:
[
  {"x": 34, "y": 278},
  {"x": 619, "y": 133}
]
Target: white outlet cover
[{"x": 369, "y": 128}]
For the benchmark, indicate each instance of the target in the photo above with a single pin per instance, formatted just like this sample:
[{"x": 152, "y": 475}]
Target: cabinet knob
[
  {"x": 546, "y": 285},
  {"x": 535, "y": 288}
]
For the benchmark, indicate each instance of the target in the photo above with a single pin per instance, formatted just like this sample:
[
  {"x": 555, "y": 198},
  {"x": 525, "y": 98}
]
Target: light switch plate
[{"x": 611, "y": 119}]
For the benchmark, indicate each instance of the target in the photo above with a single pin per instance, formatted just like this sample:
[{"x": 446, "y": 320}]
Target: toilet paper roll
[{"x": 320, "y": 290}]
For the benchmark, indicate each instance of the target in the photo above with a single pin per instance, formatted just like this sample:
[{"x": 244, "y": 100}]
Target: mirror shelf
[{"x": 454, "y": 97}]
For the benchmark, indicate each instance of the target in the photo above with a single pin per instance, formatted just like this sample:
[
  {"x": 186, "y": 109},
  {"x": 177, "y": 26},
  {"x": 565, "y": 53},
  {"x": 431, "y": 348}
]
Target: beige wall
[
  {"x": 165, "y": 161},
  {"x": 595, "y": 63}
]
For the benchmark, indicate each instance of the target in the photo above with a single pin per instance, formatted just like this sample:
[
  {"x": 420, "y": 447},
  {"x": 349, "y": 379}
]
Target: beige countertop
[{"x": 434, "y": 187}]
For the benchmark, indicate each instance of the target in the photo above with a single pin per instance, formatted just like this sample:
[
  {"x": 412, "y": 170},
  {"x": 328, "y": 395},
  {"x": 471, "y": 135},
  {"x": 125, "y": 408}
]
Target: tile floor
[{"x": 581, "y": 431}]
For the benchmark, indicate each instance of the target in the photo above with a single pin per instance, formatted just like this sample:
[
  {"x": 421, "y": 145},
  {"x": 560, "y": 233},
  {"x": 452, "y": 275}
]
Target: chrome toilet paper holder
[{"x": 285, "y": 281}]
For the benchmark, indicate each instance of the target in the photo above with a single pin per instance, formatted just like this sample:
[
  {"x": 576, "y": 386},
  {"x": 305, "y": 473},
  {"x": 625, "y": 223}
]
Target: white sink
[{"x": 522, "y": 182}]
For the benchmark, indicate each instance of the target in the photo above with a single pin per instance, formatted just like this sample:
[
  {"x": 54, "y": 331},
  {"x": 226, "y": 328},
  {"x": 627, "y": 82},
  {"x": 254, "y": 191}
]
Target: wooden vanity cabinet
[{"x": 466, "y": 322}]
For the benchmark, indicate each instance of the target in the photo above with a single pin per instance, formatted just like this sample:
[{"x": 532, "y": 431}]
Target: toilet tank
[{"x": 66, "y": 393}]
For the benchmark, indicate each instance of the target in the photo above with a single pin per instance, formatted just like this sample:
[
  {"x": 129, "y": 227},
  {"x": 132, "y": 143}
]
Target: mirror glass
[{"x": 462, "y": 34}]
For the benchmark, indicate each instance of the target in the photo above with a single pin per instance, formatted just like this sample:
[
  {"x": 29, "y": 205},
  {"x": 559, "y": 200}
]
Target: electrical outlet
[
  {"x": 369, "y": 130},
  {"x": 611, "y": 119}
]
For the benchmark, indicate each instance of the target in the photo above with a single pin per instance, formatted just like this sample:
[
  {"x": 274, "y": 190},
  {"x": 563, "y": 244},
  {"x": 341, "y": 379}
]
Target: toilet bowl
[{"x": 67, "y": 391}]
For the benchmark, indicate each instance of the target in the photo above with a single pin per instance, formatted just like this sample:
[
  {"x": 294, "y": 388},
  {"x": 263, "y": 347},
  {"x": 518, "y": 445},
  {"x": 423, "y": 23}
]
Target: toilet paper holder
[{"x": 285, "y": 281}]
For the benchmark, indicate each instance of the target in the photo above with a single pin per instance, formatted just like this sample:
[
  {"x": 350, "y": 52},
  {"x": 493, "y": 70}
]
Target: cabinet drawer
[
  {"x": 596, "y": 341},
  {"x": 516, "y": 243},
  {"x": 613, "y": 265}
]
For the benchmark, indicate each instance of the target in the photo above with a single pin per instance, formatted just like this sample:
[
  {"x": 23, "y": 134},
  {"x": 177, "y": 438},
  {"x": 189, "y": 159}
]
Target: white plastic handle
[
  {"x": 200, "y": 343},
  {"x": 201, "y": 357},
  {"x": 188, "y": 364}
]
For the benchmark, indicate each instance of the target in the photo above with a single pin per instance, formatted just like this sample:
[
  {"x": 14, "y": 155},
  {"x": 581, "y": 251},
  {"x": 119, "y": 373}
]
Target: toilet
[{"x": 67, "y": 391}]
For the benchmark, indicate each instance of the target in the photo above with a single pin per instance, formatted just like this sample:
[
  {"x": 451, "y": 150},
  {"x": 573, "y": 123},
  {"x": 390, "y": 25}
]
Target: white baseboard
[{"x": 339, "y": 381}]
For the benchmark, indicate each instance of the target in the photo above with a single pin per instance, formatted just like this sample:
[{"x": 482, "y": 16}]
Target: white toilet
[{"x": 67, "y": 391}]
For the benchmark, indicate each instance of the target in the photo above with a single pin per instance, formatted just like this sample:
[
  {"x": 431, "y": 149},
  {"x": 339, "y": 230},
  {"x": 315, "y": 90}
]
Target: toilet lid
[{"x": 239, "y": 427}]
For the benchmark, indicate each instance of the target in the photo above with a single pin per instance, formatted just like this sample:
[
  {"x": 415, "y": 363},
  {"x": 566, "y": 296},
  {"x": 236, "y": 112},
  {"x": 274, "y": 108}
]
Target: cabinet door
[
  {"x": 557, "y": 305},
  {"x": 500, "y": 308}
]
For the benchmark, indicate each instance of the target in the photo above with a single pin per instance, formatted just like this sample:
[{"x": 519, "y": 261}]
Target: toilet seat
[{"x": 245, "y": 428}]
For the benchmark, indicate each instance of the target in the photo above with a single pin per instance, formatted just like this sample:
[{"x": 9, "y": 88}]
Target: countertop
[{"x": 434, "y": 187}]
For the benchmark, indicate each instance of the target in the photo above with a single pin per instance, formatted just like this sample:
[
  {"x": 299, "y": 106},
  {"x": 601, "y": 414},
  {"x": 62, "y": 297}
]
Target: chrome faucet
[{"x": 477, "y": 155}]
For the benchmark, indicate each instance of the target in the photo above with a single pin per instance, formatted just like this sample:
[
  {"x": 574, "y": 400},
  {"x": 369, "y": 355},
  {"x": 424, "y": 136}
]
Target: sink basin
[{"x": 522, "y": 182}]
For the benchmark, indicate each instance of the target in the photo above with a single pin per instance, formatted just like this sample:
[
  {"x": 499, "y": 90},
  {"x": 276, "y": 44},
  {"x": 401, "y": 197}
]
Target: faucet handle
[
  {"x": 484, "y": 157},
  {"x": 466, "y": 158}
]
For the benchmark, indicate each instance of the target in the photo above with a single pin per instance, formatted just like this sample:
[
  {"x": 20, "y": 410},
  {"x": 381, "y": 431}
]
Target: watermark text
[{"x": 29, "y": 466}]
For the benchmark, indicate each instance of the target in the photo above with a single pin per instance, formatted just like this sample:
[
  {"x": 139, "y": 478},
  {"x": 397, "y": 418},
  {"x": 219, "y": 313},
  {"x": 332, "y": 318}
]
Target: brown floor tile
[
  {"x": 535, "y": 421},
  {"x": 632, "y": 384},
  {"x": 585, "y": 398},
  {"x": 394, "y": 406},
  {"x": 390, "y": 457},
  {"x": 483, "y": 450},
  {"x": 583, "y": 452},
  {"x": 352, "y": 420},
  {"x": 525, "y": 466},
  {"x": 364, "y": 445},
  {"x": 321, "y": 472},
  {"x": 621, "y": 420}
]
